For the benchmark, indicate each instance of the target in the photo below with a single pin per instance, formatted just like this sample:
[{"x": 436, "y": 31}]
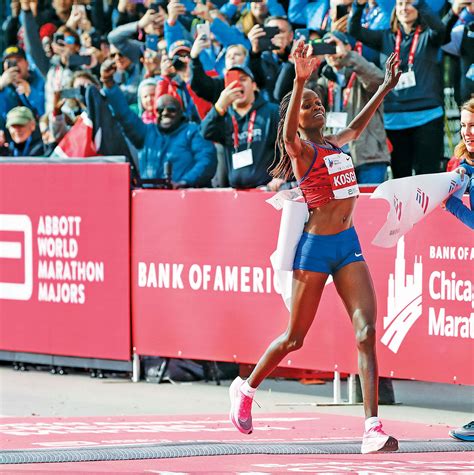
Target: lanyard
[
  {"x": 414, "y": 44},
  {"x": 253, "y": 115},
  {"x": 345, "y": 94}
]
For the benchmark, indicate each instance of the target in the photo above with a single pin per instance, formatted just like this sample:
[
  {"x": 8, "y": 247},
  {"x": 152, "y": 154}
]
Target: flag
[
  {"x": 411, "y": 199},
  {"x": 79, "y": 142}
]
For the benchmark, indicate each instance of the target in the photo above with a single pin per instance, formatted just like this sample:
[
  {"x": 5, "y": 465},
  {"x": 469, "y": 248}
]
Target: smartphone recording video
[
  {"x": 265, "y": 42},
  {"x": 341, "y": 11},
  {"x": 320, "y": 47},
  {"x": 11, "y": 63},
  {"x": 203, "y": 29},
  {"x": 73, "y": 93},
  {"x": 76, "y": 60},
  {"x": 231, "y": 76},
  {"x": 302, "y": 34}
]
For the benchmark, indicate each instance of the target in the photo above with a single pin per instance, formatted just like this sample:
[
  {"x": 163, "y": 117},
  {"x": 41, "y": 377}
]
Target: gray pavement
[{"x": 38, "y": 393}]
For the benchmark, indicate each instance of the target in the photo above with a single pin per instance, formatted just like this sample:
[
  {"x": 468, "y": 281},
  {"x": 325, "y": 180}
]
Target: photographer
[
  {"x": 273, "y": 53},
  {"x": 175, "y": 80},
  {"x": 69, "y": 104},
  {"x": 246, "y": 125},
  {"x": 59, "y": 69},
  {"x": 172, "y": 139},
  {"x": 19, "y": 86},
  {"x": 151, "y": 23}
]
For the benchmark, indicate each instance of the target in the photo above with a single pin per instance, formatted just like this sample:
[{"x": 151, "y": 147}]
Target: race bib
[
  {"x": 242, "y": 159},
  {"x": 406, "y": 80},
  {"x": 342, "y": 176}
]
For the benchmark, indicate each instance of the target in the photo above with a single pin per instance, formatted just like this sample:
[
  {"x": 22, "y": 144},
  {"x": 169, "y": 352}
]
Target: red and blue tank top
[{"x": 330, "y": 176}]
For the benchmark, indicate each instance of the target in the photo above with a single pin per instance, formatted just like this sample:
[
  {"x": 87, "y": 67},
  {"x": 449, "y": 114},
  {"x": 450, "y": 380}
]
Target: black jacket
[{"x": 219, "y": 129}]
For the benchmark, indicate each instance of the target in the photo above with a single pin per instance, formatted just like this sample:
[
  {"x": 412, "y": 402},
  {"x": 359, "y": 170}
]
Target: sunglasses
[
  {"x": 114, "y": 55},
  {"x": 170, "y": 108}
]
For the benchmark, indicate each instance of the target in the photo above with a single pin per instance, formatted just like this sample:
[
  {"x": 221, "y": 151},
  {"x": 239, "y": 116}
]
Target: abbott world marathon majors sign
[
  {"x": 62, "y": 276},
  {"x": 64, "y": 257},
  {"x": 203, "y": 287}
]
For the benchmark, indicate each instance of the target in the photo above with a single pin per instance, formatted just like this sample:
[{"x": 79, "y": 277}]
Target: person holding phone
[
  {"x": 245, "y": 124},
  {"x": 57, "y": 71},
  {"x": 347, "y": 83},
  {"x": 329, "y": 245},
  {"x": 20, "y": 85},
  {"x": 271, "y": 47},
  {"x": 413, "y": 111}
]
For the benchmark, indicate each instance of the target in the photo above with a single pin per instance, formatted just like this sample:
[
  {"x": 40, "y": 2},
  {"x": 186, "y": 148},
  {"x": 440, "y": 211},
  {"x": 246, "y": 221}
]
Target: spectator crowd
[{"x": 190, "y": 90}]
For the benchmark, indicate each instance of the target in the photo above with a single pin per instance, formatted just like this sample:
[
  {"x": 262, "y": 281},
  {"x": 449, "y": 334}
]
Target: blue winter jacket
[
  {"x": 193, "y": 158},
  {"x": 35, "y": 101}
]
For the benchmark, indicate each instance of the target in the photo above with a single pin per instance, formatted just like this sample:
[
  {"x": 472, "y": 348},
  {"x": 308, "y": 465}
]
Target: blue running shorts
[{"x": 327, "y": 253}]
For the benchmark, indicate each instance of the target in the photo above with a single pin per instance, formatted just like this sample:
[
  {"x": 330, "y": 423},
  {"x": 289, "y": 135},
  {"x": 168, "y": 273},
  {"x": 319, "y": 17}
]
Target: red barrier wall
[
  {"x": 202, "y": 287},
  {"x": 64, "y": 259}
]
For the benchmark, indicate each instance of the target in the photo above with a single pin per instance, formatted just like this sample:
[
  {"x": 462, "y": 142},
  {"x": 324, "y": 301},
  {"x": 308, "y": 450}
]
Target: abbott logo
[
  {"x": 404, "y": 300},
  {"x": 16, "y": 256}
]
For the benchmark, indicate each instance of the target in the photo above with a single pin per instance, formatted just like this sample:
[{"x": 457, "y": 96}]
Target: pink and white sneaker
[
  {"x": 240, "y": 407},
  {"x": 376, "y": 440}
]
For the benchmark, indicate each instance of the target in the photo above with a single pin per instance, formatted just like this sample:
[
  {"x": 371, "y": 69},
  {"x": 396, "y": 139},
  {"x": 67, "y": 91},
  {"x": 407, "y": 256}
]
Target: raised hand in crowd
[
  {"x": 175, "y": 10},
  {"x": 459, "y": 5},
  {"x": 27, "y": 5},
  {"x": 107, "y": 71},
  {"x": 342, "y": 51},
  {"x": 15, "y": 8},
  {"x": 340, "y": 24},
  {"x": 232, "y": 92},
  {"x": 126, "y": 6},
  {"x": 11, "y": 76},
  {"x": 167, "y": 68},
  {"x": 255, "y": 33},
  {"x": 23, "y": 87},
  {"x": 305, "y": 63},
  {"x": 201, "y": 43}
]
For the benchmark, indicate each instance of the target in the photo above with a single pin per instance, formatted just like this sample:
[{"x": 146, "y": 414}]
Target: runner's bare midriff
[{"x": 331, "y": 218}]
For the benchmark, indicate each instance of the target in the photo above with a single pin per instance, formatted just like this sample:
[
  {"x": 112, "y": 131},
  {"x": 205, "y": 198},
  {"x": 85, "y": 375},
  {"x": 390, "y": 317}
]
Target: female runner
[{"x": 329, "y": 244}]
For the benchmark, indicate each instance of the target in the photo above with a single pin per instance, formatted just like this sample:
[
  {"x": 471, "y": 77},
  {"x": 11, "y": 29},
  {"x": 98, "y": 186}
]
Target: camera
[
  {"x": 11, "y": 63},
  {"x": 265, "y": 42},
  {"x": 178, "y": 63},
  {"x": 58, "y": 38},
  {"x": 74, "y": 93}
]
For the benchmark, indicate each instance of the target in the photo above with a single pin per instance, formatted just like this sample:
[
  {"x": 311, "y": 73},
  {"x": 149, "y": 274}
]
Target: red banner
[
  {"x": 64, "y": 259},
  {"x": 202, "y": 287}
]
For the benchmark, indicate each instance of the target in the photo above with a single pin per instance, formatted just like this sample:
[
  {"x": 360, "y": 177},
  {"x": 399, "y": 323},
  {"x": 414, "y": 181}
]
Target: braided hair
[{"x": 281, "y": 166}]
